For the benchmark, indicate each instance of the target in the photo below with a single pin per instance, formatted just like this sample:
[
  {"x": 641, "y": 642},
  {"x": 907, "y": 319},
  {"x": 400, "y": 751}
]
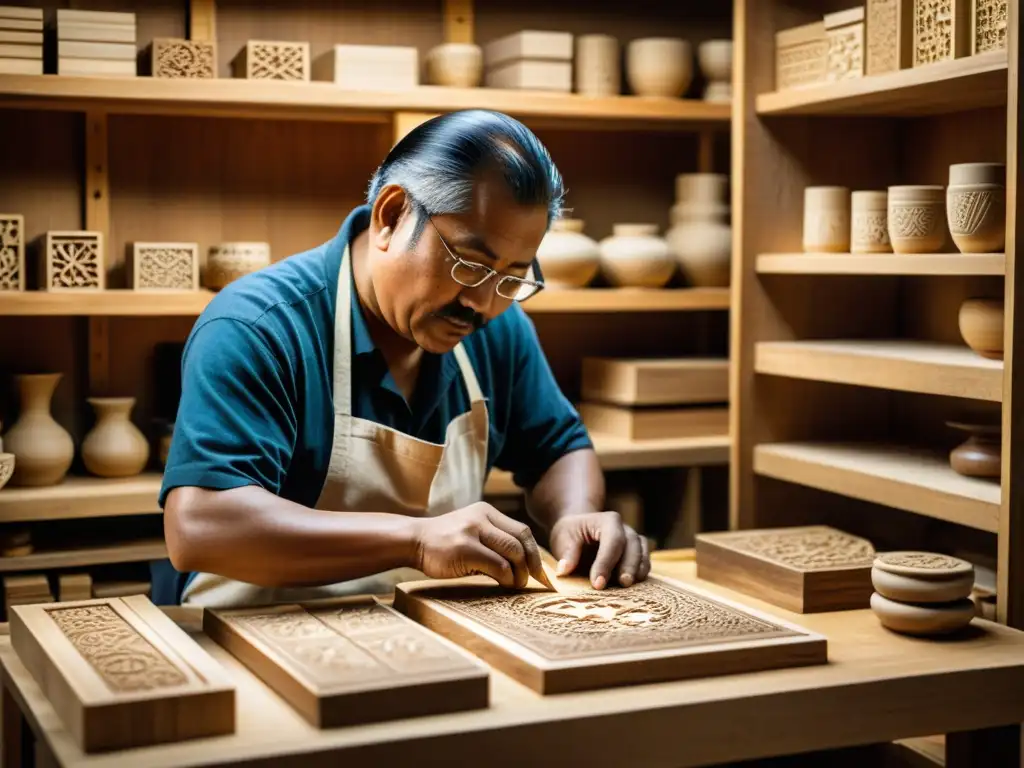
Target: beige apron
[{"x": 374, "y": 468}]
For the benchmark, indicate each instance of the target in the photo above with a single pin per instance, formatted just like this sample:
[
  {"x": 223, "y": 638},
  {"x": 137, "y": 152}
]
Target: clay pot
[
  {"x": 634, "y": 256},
  {"x": 229, "y": 261},
  {"x": 6, "y": 468},
  {"x": 981, "y": 326},
  {"x": 826, "y": 220},
  {"x": 869, "y": 227},
  {"x": 597, "y": 68},
  {"x": 43, "y": 449},
  {"x": 568, "y": 257},
  {"x": 715, "y": 59},
  {"x": 457, "y": 65},
  {"x": 114, "y": 446},
  {"x": 701, "y": 238},
  {"x": 981, "y": 455},
  {"x": 659, "y": 66},
  {"x": 976, "y": 207},
  {"x": 917, "y": 221}
]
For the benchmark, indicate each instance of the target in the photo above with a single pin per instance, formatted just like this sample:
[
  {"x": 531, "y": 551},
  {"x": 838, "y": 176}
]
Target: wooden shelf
[
  {"x": 124, "y": 552},
  {"x": 192, "y": 303},
  {"x": 226, "y": 97},
  {"x": 882, "y": 263},
  {"x": 949, "y": 86},
  {"x": 908, "y": 366},
  {"x": 618, "y": 453},
  {"x": 913, "y": 480}
]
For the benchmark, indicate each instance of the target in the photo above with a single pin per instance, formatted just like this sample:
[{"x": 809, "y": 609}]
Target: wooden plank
[
  {"x": 120, "y": 674},
  {"x": 882, "y": 263},
  {"x": 617, "y": 453},
  {"x": 628, "y": 300},
  {"x": 404, "y": 122},
  {"x": 202, "y": 20},
  {"x": 656, "y": 381},
  {"x": 804, "y": 569},
  {"x": 458, "y": 21},
  {"x": 583, "y": 639},
  {"x": 909, "y": 366},
  {"x": 351, "y": 661},
  {"x": 643, "y": 424},
  {"x": 124, "y": 552}
]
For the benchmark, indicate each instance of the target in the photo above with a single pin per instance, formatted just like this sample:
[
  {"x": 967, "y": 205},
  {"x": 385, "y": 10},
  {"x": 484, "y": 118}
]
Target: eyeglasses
[{"x": 472, "y": 275}]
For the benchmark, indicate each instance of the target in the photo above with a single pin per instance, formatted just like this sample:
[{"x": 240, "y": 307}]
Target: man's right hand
[{"x": 477, "y": 539}]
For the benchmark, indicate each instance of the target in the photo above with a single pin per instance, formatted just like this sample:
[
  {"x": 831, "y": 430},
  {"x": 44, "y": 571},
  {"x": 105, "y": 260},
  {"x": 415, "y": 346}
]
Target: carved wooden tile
[
  {"x": 164, "y": 266},
  {"x": 173, "y": 57},
  {"x": 272, "y": 60},
  {"x": 12, "y": 252},
  {"x": 941, "y": 30},
  {"x": 351, "y": 660},
  {"x": 658, "y": 629},
  {"x": 121, "y": 674},
  {"x": 988, "y": 28},
  {"x": 805, "y": 569},
  {"x": 888, "y": 31},
  {"x": 73, "y": 261}
]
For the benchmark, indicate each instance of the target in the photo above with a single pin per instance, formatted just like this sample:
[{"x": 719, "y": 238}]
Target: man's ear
[{"x": 386, "y": 215}]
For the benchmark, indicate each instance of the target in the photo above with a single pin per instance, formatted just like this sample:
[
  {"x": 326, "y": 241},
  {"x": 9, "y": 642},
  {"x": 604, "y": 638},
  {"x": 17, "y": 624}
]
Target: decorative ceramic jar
[
  {"x": 715, "y": 59},
  {"x": 826, "y": 220},
  {"x": 634, "y": 256},
  {"x": 981, "y": 455},
  {"x": 114, "y": 447},
  {"x": 869, "y": 227},
  {"x": 6, "y": 468},
  {"x": 659, "y": 66},
  {"x": 42, "y": 448},
  {"x": 917, "y": 221},
  {"x": 568, "y": 257},
  {"x": 459, "y": 65},
  {"x": 230, "y": 261},
  {"x": 701, "y": 238},
  {"x": 597, "y": 67},
  {"x": 976, "y": 207},
  {"x": 981, "y": 326}
]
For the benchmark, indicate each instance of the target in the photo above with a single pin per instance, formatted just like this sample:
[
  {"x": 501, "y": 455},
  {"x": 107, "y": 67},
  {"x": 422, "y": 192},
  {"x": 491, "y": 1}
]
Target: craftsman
[{"x": 340, "y": 410}]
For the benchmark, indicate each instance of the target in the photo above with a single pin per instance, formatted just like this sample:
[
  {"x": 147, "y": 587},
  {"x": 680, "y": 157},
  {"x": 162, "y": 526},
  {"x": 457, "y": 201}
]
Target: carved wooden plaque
[
  {"x": 272, "y": 60},
  {"x": 579, "y": 639},
  {"x": 350, "y": 661},
  {"x": 121, "y": 674},
  {"x": 165, "y": 266},
  {"x": 12, "y": 252},
  {"x": 172, "y": 57},
  {"x": 805, "y": 569},
  {"x": 988, "y": 28},
  {"x": 941, "y": 30},
  {"x": 73, "y": 261}
]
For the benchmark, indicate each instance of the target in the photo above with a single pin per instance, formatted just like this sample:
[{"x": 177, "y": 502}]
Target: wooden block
[
  {"x": 17, "y": 12},
  {"x": 76, "y": 49},
  {"x": 350, "y": 661},
  {"x": 369, "y": 67},
  {"x": 531, "y": 76},
  {"x": 21, "y": 66},
  {"x": 801, "y": 56},
  {"x": 805, "y": 569},
  {"x": 172, "y": 57},
  {"x": 27, "y": 38},
  {"x": 96, "y": 67},
  {"x": 12, "y": 252},
  {"x": 529, "y": 44},
  {"x": 989, "y": 20},
  {"x": 164, "y": 267},
  {"x": 120, "y": 674},
  {"x": 74, "y": 586},
  {"x": 73, "y": 261},
  {"x": 25, "y": 25},
  {"x": 674, "y": 381},
  {"x": 21, "y": 51},
  {"x": 844, "y": 31},
  {"x": 583, "y": 639},
  {"x": 654, "y": 423},
  {"x": 889, "y": 36},
  {"x": 120, "y": 588},
  {"x": 942, "y": 30},
  {"x": 272, "y": 60},
  {"x": 65, "y": 15},
  {"x": 99, "y": 33}
]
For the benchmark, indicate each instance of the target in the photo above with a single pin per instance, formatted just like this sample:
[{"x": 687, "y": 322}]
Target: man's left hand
[{"x": 621, "y": 551}]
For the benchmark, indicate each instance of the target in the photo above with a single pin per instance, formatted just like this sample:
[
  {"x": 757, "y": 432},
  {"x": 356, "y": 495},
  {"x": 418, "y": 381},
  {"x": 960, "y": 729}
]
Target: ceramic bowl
[
  {"x": 659, "y": 66},
  {"x": 981, "y": 326},
  {"x": 457, "y": 65}
]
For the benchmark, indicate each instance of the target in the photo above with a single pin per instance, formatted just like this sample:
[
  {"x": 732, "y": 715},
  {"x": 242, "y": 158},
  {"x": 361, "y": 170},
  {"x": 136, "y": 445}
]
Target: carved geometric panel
[
  {"x": 888, "y": 31},
  {"x": 991, "y": 18},
  {"x": 172, "y": 57},
  {"x": 272, "y": 60},
  {"x": 12, "y": 252},
  {"x": 165, "y": 266},
  {"x": 74, "y": 261},
  {"x": 941, "y": 29}
]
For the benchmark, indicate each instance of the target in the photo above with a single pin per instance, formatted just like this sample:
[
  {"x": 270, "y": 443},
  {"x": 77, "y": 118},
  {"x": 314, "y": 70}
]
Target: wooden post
[
  {"x": 202, "y": 20},
  {"x": 458, "y": 21},
  {"x": 706, "y": 151},
  {"x": 405, "y": 122},
  {"x": 97, "y": 218}
]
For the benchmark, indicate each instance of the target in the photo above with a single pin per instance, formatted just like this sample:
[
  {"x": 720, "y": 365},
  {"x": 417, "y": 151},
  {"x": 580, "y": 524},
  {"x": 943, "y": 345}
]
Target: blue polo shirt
[{"x": 256, "y": 404}]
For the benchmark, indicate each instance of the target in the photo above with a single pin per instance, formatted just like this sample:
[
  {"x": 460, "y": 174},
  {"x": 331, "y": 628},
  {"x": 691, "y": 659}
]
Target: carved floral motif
[
  {"x": 846, "y": 52},
  {"x": 804, "y": 549},
  {"x": 75, "y": 260},
  {"x": 183, "y": 58}
]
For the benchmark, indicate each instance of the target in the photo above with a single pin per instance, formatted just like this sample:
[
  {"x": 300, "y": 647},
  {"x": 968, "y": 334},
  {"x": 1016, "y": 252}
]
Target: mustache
[{"x": 458, "y": 311}]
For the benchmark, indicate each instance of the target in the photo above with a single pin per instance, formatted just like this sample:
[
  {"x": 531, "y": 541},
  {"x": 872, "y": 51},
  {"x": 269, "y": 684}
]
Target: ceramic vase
[
  {"x": 635, "y": 257},
  {"x": 917, "y": 220},
  {"x": 597, "y": 68},
  {"x": 42, "y": 448},
  {"x": 457, "y": 65},
  {"x": 981, "y": 455},
  {"x": 981, "y": 326},
  {"x": 229, "y": 261},
  {"x": 826, "y": 220},
  {"x": 659, "y": 66},
  {"x": 869, "y": 224},
  {"x": 976, "y": 207},
  {"x": 715, "y": 59},
  {"x": 701, "y": 238},
  {"x": 568, "y": 257},
  {"x": 114, "y": 447},
  {"x": 6, "y": 468}
]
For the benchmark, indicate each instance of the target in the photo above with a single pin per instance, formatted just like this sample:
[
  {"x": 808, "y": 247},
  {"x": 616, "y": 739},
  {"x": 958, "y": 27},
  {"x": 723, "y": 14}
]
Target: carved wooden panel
[
  {"x": 801, "y": 56},
  {"x": 351, "y": 660},
  {"x": 940, "y": 30},
  {"x": 844, "y": 31},
  {"x": 12, "y": 252},
  {"x": 171, "y": 57},
  {"x": 120, "y": 674},
  {"x": 988, "y": 30},
  {"x": 165, "y": 266},
  {"x": 272, "y": 60},
  {"x": 804, "y": 569},
  {"x": 580, "y": 639},
  {"x": 889, "y": 35},
  {"x": 74, "y": 261}
]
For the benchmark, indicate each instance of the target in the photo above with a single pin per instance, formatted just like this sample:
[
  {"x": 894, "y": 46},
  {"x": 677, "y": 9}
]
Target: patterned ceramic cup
[
  {"x": 976, "y": 207},
  {"x": 869, "y": 228},
  {"x": 917, "y": 223}
]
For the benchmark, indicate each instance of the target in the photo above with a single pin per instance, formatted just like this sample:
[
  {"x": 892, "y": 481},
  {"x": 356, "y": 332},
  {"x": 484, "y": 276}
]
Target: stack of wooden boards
[
  {"x": 531, "y": 60},
  {"x": 21, "y": 40},
  {"x": 26, "y": 590},
  {"x": 95, "y": 43}
]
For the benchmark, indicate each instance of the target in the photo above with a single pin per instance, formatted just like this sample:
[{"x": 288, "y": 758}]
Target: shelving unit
[{"x": 920, "y": 264}]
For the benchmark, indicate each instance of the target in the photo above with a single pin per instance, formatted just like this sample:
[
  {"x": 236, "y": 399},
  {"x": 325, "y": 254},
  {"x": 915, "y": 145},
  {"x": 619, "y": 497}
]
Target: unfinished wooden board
[
  {"x": 882, "y": 263},
  {"x": 654, "y": 423},
  {"x": 671, "y": 381},
  {"x": 805, "y": 569},
  {"x": 121, "y": 674},
  {"x": 350, "y": 661},
  {"x": 580, "y": 639}
]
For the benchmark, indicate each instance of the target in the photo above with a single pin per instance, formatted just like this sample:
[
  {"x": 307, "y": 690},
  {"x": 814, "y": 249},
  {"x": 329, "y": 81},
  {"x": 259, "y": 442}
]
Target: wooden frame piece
[
  {"x": 12, "y": 252},
  {"x": 73, "y": 261},
  {"x": 175, "y": 57},
  {"x": 164, "y": 267},
  {"x": 121, "y": 674},
  {"x": 272, "y": 60}
]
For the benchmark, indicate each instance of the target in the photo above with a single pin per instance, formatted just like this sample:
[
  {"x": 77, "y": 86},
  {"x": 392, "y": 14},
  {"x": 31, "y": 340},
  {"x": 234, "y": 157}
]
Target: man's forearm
[
  {"x": 572, "y": 485},
  {"x": 251, "y": 535}
]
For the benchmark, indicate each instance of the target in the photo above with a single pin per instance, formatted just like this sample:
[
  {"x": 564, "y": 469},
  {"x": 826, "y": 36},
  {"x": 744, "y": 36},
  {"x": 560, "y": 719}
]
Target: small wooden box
[
  {"x": 272, "y": 60},
  {"x": 531, "y": 76},
  {"x": 173, "y": 57},
  {"x": 805, "y": 569},
  {"x": 369, "y": 67},
  {"x": 989, "y": 22},
  {"x": 801, "y": 56},
  {"x": 73, "y": 261},
  {"x": 942, "y": 30},
  {"x": 12, "y": 252},
  {"x": 529, "y": 44},
  {"x": 164, "y": 267},
  {"x": 654, "y": 423},
  {"x": 845, "y": 33},
  {"x": 889, "y": 36},
  {"x": 120, "y": 674},
  {"x": 669, "y": 381}
]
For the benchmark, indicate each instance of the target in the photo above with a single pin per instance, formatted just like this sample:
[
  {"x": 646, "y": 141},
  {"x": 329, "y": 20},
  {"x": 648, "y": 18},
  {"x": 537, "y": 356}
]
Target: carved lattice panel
[
  {"x": 74, "y": 261},
  {"x": 273, "y": 60},
  {"x": 165, "y": 266},
  {"x": 183, "y": 58},
  {"x": 940, "y": 30},
  {"x": 990, "y": 21},
  {"x": 12, "y": 252}
]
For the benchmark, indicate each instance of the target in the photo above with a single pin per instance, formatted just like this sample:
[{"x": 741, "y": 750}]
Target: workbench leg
[
  {"x": 987, "y": 748},
  {"x": 14, "y": 726}
]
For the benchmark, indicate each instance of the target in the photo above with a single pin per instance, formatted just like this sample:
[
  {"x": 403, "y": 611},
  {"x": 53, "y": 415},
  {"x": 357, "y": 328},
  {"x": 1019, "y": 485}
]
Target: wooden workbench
[{"x": 877, "y": 687}]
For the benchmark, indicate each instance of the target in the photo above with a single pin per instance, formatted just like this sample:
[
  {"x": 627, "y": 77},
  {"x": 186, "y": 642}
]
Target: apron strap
[
  {"x": 343, "y": 339},
  {"x": 468, "y": 374}
]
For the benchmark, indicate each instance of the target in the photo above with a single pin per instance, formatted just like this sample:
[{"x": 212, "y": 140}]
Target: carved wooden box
[
  {"x": 941, "y": 30},
  {"x": 164, "y": 266},
  {"x": 801, "y": 56},
  {"x": 272, "y": 60},
  {"x": 676, "y": 381},
  {"x": 12, "y": 252},
  {"x": 989, "y": 19},
  {"x": 173, "y": 57},
  {"x": 73, "y": 261},
  {"x": 805, "y": 569},
  {"x": 120, "y": 674},
  {"x": 888, "y": 29},
  {"x": 845, "y": 33},
  {"x": 350, "y": 661},
  {"x": 582, "y": 639}
]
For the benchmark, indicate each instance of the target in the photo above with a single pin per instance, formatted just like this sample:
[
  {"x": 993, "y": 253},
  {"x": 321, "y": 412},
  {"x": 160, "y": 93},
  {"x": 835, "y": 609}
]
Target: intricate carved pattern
[
  {"x": 800, "y": 65},
  {"x": 911, "y": 221},
  {"x": 882, "y": 17},
  {"x": 183, "y": 58},
  {"x": 933, "y": 31},
  {"x": 924, "y": 560},
  {"x": 648, "y": 616},
  {"x": 870, "y": 228},
  {"x": 807, "y": 550},
  {"x": 968, "y": 210},
  {"x": 846, "y": 52},
  {"x": 990, "y": 21},
  {"x": 165, "y": 267},
  {"x": 6, "y": 470},
  {"x": 278, "y": 61},
  {"x": 75, "y": 261},
  {"x": 123, "y": 658},
  {"x": 12, "y": 253}
]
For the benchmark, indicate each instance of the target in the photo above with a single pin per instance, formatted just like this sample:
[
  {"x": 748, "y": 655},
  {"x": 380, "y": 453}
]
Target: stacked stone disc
[{"x": 922, "y": 593}]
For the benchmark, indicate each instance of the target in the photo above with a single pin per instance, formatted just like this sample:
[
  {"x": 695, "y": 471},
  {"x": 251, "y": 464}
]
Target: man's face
[{"x": 414, "y": 286}]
